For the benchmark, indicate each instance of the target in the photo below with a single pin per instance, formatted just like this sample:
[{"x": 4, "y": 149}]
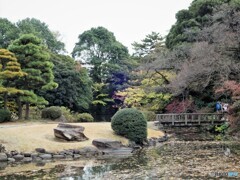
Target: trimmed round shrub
[
  {"x": 52, "y": 113},
  {"x": 85, "y": 117},
  {"x": 5, "y": 115},
  {"x": 149, "y": 115},
  {"x": 130, "y": 123}
]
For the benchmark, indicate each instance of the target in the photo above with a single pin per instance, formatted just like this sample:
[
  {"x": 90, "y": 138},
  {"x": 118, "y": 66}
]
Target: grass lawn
[{"x": 25, "y": 137}]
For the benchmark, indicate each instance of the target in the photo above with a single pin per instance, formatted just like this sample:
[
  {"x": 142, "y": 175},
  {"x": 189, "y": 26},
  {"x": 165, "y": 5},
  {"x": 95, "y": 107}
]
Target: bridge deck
[{"x": 190, "y": 119}]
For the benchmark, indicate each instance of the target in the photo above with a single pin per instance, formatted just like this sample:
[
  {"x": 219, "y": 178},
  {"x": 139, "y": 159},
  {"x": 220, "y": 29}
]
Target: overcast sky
[{"x": 129, "y": 20}]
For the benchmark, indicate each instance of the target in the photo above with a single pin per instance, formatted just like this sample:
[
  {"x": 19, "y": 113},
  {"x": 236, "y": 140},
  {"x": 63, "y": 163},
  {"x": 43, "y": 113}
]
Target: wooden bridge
[{"x": 190, "y": 119}]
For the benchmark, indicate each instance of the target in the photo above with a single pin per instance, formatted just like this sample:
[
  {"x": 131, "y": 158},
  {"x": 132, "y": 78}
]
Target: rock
[
  {"x": 62, "y": 118},
  {"x": 27, "y": 154},
  {"x": 68, "y": 152},
  {"x": 13, "y": 153},
  {"x": 9, "y": 155},
  {"x": 3, "y": 157},
  {"x": 89, "y": 150},
  {"x": 156, "y": 123},
  {"x": 137, "y": 147},
  {"x": 76, "y": 156},
  {"x": 11, "y": 160},
  {"x": 70, "y": 132},
  {"x": 152, "y": 142},
  {"x": 58, "y": 156},
  {"x": 227, "y": 152},
  {"x": 34, "y": 155},
  {"x": 76, "y": 151},
  {"x": 40, "y": 150},
  {"x": 163, "y": 139},
  {"x": 37, "y": 159},
  {"x": 145, "y": 143},
  {"x": 45, "y": 156},
  {"x": 69, "y": 156},
  {"x": 18, "y": 157},
  {"x": 107, "y": 143},
  {"x": 62, "y": 152},
  {"x": 120, "y": 151}
]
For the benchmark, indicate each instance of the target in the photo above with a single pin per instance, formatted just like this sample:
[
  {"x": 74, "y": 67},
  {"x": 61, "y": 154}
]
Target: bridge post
[{"x": 185, "y": 119}]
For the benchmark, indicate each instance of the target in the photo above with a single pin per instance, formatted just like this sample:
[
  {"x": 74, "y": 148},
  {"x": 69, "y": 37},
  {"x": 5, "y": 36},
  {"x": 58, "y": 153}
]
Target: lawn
[{"x": 25, "y": 137}]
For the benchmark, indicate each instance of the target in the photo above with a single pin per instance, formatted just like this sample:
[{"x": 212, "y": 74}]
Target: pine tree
[
  {"x": 34, "y": 60},
  {"x": 10, "y": 70}
]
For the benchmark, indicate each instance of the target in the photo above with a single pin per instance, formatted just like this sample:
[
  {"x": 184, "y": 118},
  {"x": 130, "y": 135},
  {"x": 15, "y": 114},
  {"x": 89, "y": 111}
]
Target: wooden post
[
  {"x": 172, "y": 119},
  {"x": 199, "y": 119},
  {"x": 212, "y": 119},
  {"x": 185, "y": 119}
]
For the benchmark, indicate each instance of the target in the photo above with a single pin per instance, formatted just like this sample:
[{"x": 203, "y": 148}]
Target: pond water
[{"x": 174, "y": 159}]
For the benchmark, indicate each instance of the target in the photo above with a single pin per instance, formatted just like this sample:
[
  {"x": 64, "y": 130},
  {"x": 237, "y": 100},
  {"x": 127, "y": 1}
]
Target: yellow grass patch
[{"x": 28, "y": 136}]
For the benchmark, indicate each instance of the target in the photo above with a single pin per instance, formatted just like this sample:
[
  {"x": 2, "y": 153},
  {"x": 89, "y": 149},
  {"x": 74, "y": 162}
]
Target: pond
[{"x": 170, "y": 160}]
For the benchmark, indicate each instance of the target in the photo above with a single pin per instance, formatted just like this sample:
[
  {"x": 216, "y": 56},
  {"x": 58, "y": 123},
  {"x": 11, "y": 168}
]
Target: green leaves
[
  {"x": 34, "y": 59},
  {"x": 74, "y": 85},
  {"x": 100, "y": 50},
  {"x": 148, "y": 44}
]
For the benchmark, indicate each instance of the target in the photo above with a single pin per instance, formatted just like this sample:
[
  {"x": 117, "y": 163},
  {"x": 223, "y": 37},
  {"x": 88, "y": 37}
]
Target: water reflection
[
  {"x": 176, "y": 160},
  {"x": 93, "y": 171}
]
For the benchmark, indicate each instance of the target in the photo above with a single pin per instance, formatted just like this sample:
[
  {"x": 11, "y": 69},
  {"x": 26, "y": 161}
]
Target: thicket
[
  {"x": 5, "y": 115},
  {"x": 52, "y": 113},
  {"x": 84, "y": 117},
  {"x": 149, "y": 115}
]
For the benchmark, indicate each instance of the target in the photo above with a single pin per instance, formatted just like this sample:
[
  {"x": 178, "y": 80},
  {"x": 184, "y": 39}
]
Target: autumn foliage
[
  {"x": 180, "y": 106},
  {"x": 231, "y": 89}
]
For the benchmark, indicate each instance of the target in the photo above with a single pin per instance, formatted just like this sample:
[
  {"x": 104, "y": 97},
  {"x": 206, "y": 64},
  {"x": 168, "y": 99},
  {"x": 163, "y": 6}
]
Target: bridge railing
[{"x": 189, "y": 118}]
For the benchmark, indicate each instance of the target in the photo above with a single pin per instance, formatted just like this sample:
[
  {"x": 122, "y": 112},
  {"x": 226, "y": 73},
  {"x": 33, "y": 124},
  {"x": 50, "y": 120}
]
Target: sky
[{"x": 129, "y": 20}]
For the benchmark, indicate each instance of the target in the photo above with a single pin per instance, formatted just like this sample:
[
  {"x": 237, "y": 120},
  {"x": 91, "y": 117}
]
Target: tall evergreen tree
[
  {"x": 8, "y": 32},
  {"x": 9, "y": 71},
  {"x": 34, "y": 60},
  {"x": 74, "y": 85},
  {"x": 41, "y": 30}
]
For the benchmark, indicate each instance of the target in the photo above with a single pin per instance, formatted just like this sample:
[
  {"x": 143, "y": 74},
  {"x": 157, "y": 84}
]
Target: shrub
[
  {"x": 52, "y": 112},
  {"x": 131, "y": 123},
  {"x": 5, "y": 115},
  {"x": 149, "y": 115},
  {"x": 85, "y": 117},
  {"x": 70, "y": 116},
  {"x": 35, "y": 112}
]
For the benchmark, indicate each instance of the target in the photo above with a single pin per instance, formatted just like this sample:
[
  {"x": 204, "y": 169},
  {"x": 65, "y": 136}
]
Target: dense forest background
[{"x": 189, "y": 70}]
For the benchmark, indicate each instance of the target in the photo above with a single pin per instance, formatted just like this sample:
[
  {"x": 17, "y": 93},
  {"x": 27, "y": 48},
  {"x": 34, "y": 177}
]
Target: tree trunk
[
  {"x": 27, "y": 111},
  {"x": 19, "y": 104},
  {"x": 5, "y": 100}
]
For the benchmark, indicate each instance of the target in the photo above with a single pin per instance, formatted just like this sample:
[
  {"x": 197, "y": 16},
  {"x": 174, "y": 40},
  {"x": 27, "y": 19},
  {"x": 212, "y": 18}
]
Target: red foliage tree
[
  {"x": 231, "y": 89},
  {"x": 177, "y": 106}
]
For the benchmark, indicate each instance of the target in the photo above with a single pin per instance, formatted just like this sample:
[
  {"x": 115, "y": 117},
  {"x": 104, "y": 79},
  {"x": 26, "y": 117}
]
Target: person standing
[{"x": 218, "y": 107}]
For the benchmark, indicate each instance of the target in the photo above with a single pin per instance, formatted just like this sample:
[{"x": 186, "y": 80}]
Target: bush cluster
[
  {"x": 5, "y": 115},
  {"x": 130, "y": 123},
  {"x": 85, "y": 117},
  {"x": 149, "y": 115},
  {"x": 68, "y": 114},
  {"x": 52, "y": 113}
]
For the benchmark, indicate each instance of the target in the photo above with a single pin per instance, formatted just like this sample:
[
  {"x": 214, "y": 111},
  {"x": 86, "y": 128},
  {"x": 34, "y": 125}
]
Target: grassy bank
[{"x": 26, "y": 137}]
